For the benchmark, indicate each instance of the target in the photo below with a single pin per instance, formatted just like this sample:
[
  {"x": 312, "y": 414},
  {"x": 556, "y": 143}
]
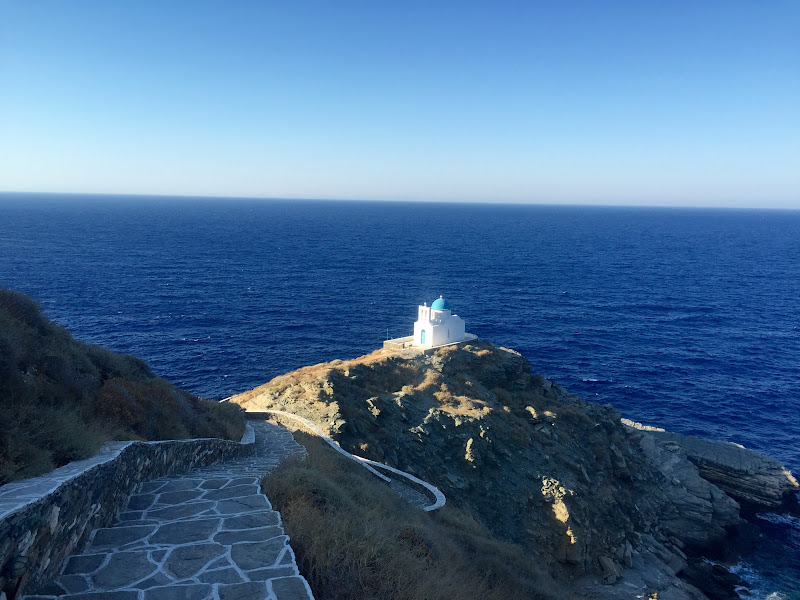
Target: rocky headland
[{"x": 611, "y": 508}]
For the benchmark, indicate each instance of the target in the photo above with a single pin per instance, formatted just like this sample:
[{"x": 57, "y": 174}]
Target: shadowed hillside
[{"x": 60, "y": 398}]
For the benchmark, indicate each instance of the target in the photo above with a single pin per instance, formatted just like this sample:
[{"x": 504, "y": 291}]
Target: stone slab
[
  {"x": 290, "y": 588},
  {"x": 255, "y": 555},
  {"x": 243, "y": 591},
  {"x": 184, "y": 532}
]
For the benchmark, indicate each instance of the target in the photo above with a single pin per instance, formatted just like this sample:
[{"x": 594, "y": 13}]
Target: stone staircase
[{"x": 207, "y": 534}]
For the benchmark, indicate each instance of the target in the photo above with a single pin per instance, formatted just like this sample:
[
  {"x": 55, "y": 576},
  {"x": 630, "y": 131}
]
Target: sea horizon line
[{"x": 8, "y": 194}]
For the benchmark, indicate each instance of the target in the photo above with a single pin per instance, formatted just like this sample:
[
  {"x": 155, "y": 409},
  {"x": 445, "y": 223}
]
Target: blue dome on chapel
[{"x": 440, "y": 304}]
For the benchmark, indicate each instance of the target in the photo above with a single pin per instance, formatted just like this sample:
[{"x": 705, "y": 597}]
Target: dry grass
[
  {"x": 356, "y": 539},
  {"x": 308, "y": 374}
]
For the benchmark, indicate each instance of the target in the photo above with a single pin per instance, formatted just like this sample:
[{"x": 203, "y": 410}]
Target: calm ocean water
[{"x": 687, "y": 319}]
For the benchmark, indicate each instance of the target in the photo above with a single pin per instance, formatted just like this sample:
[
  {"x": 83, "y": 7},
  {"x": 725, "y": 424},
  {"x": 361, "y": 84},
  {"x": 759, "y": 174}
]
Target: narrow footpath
[{"x": 208, "y": 534}]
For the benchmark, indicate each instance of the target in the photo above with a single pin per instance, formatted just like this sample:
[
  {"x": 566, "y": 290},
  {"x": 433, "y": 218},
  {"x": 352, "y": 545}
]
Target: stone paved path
[
  {"x": 207, "y": 534},
  {"x": 409, "y": 494}
]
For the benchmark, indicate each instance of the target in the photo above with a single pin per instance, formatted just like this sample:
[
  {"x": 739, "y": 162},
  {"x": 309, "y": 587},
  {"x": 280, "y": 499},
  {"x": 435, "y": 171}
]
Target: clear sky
[{"x": 613, "y": 102}]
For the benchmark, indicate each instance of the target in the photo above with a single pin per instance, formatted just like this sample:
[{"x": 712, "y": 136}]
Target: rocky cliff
[{"x": 595, "y": 500}]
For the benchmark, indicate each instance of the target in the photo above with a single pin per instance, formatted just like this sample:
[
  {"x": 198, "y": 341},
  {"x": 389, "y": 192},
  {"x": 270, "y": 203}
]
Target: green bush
[{"x": 60, "y": 399}]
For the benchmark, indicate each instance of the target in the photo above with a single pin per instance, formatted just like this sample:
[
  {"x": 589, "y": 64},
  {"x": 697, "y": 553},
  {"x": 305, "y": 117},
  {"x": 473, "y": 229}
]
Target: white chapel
[{"x": 436, "y": 325}]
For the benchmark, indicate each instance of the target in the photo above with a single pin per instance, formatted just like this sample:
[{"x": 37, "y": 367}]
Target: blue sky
[{"x": 610, "y": 102}]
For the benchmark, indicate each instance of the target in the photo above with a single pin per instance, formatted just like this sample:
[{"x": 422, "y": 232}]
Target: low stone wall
[
  {"x": 45, "y": 519},
  {"x": 399, "y": 343},
  {"x": 404, "y": 343}
]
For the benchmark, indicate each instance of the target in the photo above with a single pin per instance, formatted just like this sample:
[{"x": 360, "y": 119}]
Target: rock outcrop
[
  {"x": 698, "y": 512},
  {"x": 596, "y": 501},
  {"x": 751, "y": 478}
]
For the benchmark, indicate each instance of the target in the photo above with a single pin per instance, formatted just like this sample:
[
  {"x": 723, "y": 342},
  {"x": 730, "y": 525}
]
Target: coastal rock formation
[
  {"x": 597, "y": 502},
  {"x": 698, "y": 511},
  {"x": 753, "y": 479}
]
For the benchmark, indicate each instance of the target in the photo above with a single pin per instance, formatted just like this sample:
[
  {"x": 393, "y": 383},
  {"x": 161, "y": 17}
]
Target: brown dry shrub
[
  {"x": 146, "y": 409},
  {"x": 154, "y": 410},
  {"x": 431, "y": 383}
]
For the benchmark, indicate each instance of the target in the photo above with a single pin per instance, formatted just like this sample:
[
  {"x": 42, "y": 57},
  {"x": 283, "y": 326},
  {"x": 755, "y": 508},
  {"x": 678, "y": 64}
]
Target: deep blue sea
[{"x": 688, "y": 319}]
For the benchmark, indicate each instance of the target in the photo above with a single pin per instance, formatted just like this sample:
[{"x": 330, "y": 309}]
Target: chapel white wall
[{"x": 437, "y": 324}]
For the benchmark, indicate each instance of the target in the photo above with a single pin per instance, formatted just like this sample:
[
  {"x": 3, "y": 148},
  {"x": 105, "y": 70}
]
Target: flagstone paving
[{"x": 209, "y": 534}]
